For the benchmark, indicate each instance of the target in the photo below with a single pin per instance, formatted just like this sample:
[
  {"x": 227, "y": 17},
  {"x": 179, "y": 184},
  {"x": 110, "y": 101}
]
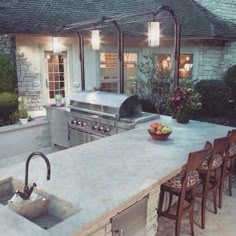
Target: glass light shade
[
  {"x": 56, "y": 44},
  {"x": 153, "y": 34},
  {"x": 95, "y": 39}
]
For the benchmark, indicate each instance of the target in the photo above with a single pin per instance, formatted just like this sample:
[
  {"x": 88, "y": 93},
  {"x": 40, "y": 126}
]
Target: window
[
  {"x": 164, "y": 62},
  {"x": 185, "y": 65},
  {"x": 109, "y": 71}
]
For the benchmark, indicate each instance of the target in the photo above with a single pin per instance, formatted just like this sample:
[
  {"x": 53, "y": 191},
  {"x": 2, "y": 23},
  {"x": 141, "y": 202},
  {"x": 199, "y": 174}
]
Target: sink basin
[{"x": 44, "y": 210}]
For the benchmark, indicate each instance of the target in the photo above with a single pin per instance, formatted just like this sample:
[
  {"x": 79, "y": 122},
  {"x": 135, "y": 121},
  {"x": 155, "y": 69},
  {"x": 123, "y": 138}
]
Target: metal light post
[{"x": 105, "y": 21}]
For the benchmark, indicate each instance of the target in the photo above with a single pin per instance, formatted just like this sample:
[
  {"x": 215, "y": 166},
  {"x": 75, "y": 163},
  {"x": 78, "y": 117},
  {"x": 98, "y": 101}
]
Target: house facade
[{"x": 41, "y": 73}]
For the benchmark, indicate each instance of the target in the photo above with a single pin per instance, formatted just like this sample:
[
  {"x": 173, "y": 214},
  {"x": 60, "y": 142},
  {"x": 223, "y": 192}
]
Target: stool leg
[
  {"x": 230, "y": 184},
  {"x": 215, "y": 200},
  {"x": 203, "y": 202},
  {"x": 191, "y": 221},
  {"x": 230, "y": 176},
  {"x": 221, "y": 188},
  {"x": 179, "y": 214},
  {"x": 203, "y": 210},
  {"x": 177, "y": 226},
  {"x": 161, "y": 199}
]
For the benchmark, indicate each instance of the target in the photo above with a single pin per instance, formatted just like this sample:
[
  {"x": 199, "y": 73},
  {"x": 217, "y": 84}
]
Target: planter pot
[
  {"x": 23, "y": 121},
  {"x": 182, "y": 118}
]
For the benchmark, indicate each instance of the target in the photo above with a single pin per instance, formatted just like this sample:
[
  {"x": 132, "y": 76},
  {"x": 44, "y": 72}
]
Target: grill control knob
[
  {"x": 79, "y": 123},
  {"x": 101, "y": 128},
  {"x": 95, "y": 127},
  {"x": 84, "y": 124},
  {"x": 74, "y": 122},
  {"x": 107, "y": 130}
]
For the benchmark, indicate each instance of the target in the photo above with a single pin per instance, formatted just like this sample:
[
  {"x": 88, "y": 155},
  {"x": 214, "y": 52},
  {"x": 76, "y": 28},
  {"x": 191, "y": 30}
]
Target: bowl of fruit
[{"x": 159, "y": 131}]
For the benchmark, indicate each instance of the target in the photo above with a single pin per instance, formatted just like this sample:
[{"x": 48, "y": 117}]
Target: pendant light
[
  {"x": 56, "y": 44},
  {"x": 95, "y": 39},
  {"x": 153, "y": 34}
]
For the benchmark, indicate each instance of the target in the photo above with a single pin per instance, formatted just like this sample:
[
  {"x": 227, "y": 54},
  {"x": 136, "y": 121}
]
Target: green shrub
[
  {"x": 7, "y": 75},
  {"x": 8, "y": 108},
  {"x": 230, "y": 80},
  {"x": 8, "y": 101},
  {"x": 215, "y": 96}
]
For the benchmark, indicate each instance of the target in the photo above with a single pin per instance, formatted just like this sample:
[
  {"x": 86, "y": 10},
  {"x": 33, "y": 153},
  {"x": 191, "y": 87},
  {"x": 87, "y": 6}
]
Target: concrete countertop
[{"x": 106, "y": 176}]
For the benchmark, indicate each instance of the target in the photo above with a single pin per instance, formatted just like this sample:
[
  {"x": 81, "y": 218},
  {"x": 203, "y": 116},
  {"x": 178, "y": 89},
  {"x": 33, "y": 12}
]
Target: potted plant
[
  {"x": 58, "y": 100},
  {"x": 183, "y": 103},
  {"x": 23, "y": 111}
]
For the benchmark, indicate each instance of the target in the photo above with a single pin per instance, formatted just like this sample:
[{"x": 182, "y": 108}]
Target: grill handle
[{"x": 95, "y": 112}]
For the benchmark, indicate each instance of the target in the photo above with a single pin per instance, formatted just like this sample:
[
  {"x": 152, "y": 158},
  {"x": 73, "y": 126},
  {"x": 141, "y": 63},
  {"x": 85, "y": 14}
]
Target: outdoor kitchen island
[{"x": 104, "y": 177}]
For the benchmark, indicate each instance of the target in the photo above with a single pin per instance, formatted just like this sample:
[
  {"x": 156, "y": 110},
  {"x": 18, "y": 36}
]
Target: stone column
[{"x": 152, "y": 204}]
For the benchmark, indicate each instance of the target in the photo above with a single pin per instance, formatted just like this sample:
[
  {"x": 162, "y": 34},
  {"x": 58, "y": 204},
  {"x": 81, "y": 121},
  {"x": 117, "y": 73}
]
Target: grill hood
[{"x": 105, "y": 104}]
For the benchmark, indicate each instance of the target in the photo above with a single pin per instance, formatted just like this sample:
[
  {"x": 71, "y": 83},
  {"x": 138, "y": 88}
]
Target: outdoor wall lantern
[
  {"x": 153, "y": 34},
  {"x": 56, "y": 44},
  {"x": 95, "y": 39}
]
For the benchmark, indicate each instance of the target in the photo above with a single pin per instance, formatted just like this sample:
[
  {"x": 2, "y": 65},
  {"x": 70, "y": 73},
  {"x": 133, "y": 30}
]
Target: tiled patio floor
[{"x": 221, "y": 224}]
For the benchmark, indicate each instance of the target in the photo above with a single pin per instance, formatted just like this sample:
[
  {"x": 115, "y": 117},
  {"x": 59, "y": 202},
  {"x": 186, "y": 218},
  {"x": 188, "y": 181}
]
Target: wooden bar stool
[
  {"x": 183, "y": 185},
  {"x": 210, "y": 174},
  {"x": 231, "y": 158},
  {"x": 228, "y": 166}
]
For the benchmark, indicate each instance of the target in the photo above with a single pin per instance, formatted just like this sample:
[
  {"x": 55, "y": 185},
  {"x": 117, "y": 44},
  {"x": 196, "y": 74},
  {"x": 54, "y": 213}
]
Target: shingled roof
[{"x": 46, "y": 16}]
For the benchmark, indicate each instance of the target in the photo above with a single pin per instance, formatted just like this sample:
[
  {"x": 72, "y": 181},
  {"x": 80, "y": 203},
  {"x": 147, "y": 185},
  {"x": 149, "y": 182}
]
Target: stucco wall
[{"x": 16, "y": 139}]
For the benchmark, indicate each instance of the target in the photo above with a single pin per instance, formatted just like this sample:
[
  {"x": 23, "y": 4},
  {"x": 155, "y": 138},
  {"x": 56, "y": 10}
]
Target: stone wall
[
  {"x": 28, "y": 83},
  {"x": 8, "y": 46}
]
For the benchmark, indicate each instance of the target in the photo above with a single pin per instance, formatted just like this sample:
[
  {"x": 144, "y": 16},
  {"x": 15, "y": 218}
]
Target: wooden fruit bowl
[{"x": 160, "y": 137}]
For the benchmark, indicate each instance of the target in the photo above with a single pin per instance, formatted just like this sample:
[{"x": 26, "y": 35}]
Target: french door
[{"x": 56, "y": 76}]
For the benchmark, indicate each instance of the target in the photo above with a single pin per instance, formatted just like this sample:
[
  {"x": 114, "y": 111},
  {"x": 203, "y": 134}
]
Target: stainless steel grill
[{"x": 96, "y": 115}]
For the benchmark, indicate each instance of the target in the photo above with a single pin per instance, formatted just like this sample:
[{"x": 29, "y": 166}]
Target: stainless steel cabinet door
[
  {"x": 132, "y": 221},
  {"x": 76, "y": 137},
  {"x": 59, "y": 129}
]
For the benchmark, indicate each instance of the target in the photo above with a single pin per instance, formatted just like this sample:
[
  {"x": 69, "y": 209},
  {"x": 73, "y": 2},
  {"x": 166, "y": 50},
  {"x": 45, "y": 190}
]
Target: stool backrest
[
  {"x": 196, "y": 158},
  {"x": 232, "y": 142},
  {"x": 220, "y": 146},
  {"x": 194, "y": 162}
]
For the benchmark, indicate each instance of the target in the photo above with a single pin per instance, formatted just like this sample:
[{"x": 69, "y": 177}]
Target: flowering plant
[{"x": 184, "y": 102}]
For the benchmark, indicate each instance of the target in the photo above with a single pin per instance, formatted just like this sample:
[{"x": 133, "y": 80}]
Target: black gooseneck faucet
[{"x": 27, "y": 191}]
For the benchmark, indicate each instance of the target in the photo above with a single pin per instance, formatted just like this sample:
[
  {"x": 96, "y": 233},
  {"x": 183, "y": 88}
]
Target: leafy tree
[{"x": 154, "y": 85}]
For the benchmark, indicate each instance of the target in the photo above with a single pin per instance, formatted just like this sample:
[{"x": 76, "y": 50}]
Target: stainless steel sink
[{"x": 46, "y": 210}]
